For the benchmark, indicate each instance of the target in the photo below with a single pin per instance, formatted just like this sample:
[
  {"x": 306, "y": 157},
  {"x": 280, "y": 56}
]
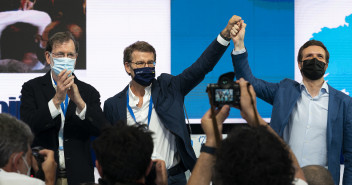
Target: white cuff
[
  {"x": 222, "y": 41},
  {"x": 53, "y": 110},
  {"x": 239, "y": 51},
  {"x": 298, "y": 181},
  {"x": 82, "y": 114}
]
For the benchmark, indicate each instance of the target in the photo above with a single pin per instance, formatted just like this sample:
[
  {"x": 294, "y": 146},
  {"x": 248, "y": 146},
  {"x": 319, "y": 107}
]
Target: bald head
[{"x": 317, "y": 175}]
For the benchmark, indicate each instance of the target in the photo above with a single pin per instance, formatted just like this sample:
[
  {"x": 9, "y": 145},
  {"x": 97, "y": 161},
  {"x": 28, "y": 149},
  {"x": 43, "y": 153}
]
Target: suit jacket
[
  {"x": 168, "y": 94},
  {"x": 284, "y": 95},
  {"x": 34, "y": 111}
]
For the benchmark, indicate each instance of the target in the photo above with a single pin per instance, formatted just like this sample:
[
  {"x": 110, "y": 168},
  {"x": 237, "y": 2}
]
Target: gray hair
[{"x": 15, "y": 136}]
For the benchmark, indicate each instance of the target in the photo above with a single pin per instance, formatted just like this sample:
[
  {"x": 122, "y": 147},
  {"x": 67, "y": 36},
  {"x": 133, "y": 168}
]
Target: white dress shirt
[{"x": 164, "y": 141}]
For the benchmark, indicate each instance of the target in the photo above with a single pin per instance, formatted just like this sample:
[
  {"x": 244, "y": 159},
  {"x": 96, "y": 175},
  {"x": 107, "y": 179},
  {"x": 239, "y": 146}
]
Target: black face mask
[{"x": 313, "y": 69}]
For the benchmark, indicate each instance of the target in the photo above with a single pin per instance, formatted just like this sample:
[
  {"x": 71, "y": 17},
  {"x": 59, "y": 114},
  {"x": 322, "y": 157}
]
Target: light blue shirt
[{"x": 306, "y": 130}]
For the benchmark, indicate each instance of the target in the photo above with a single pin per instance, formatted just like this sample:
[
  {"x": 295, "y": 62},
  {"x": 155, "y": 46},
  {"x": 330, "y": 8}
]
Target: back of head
[
  {"x": 124, "y": 153},
  {"x": 15, "y": 136},
  {"x": 317, "y": 175},
  {"x": 253, "y": 156}
]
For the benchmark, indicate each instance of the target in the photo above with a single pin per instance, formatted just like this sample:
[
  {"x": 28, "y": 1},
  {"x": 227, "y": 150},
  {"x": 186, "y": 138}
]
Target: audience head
[
  {"x": 317, "y": 175},
  {"x": 15, "y": 140},
  {"x": 312, "y": 43},
  {"x": 253, "y": 156},
  {"x": 123, "y": 153}
]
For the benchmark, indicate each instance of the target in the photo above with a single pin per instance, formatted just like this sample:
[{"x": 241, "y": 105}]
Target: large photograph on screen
[{"x": 26, "y": 26}]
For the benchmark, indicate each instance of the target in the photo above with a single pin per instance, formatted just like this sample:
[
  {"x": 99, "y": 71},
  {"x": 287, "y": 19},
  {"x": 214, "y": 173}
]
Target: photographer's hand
[
  {"x": 249, "y": 104},
  {"x": 207, "y": 124},
  {"x": 202, "y": 171},
  {"x": 161, "y": 173},
  {"x": 49, "y": 166}
]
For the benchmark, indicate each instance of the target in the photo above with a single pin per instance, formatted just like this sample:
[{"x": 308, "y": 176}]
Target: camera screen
[{"x": 223, "y": 95}]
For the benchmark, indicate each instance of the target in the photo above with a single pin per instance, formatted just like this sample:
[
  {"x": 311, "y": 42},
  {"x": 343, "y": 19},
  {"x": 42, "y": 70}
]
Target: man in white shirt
[
  {"x": 16, "y": 155},
  {"x": 158, "y": 103}
]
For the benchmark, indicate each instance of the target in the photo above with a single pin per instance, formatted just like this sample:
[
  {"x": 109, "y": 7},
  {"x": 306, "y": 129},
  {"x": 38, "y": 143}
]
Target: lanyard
[
  {"x": 63, "y": 106},
  {"x": 149, "y": 111}
]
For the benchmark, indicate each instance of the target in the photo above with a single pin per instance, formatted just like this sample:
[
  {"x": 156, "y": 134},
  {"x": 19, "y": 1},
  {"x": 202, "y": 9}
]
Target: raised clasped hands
[{"x": 233, "y": 21}]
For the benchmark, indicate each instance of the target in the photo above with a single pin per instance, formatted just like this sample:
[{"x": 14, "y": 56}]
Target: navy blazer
[
  {"x": 168, "y": 94},
  {"x": 34, "y": 111},
  {"x": 284, "y": 95}
]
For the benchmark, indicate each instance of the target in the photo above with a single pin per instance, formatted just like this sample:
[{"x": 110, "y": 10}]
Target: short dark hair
[
  {"x": 59, "y": 38},
  {"x": 317, "y": 175},
  {"x": 124, "y": 152},
  {"x": 312, "y": 43},
  {"x": 18, "y": 39},
  {"x": 15, "y": 136},
  {"x": 7, "y": 5},
  {"x": 253, "y": 156},
  {"x": 137, "y": 46}
]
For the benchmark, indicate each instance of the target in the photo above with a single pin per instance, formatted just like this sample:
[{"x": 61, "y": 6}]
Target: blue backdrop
[{"x": 269, "y": 41}]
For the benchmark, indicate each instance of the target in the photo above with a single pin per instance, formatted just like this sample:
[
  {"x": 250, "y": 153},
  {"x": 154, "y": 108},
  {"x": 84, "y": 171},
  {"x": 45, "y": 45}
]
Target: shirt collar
[
  {"x": 324, "y": 88},
  {"x": 147, "y": 91}
]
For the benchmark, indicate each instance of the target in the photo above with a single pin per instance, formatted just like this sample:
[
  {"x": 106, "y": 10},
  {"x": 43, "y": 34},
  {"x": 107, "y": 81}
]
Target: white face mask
[{"x": 26, "y": 163}]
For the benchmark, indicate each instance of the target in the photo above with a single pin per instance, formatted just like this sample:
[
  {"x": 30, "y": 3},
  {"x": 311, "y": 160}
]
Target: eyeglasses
[
  {"x": 62, "y": 55},
  {"x": 144, "y": 64}
]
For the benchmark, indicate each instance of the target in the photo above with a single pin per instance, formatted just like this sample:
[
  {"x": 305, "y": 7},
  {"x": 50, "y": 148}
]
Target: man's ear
[
  {"x": 300, "y": 65},
  {"x": 14, "y": 162},
  {"x": 149, "y": 168},
  {"x": 128, "y": 68},
  {"x": 99, "y": 168},
  {"x": 47, "y": 57}
]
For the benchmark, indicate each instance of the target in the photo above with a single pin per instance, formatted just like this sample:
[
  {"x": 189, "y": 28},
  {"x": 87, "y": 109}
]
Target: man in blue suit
[
  {"x": 312, "y": 117},
  {"x": 158, "y": 103}
]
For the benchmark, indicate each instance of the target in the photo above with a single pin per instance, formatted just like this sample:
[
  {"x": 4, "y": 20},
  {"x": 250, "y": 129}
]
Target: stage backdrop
[{"x": 180, "y": 31}]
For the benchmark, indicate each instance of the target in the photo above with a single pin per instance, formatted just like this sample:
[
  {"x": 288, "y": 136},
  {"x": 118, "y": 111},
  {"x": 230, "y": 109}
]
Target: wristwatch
[{"x": 208, "y": 149}]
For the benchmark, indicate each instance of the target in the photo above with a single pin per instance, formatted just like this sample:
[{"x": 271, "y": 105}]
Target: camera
[
  {"x": 225, "y": 92},
  {"x": 40, "y": 159}
]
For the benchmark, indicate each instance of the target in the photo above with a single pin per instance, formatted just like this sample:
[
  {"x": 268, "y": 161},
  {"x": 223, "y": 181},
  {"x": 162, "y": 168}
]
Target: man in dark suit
[
  {"x": 314, "y": 119},
  {"x": 158, "y": 103},
  {"x": 63, "y": 112}
]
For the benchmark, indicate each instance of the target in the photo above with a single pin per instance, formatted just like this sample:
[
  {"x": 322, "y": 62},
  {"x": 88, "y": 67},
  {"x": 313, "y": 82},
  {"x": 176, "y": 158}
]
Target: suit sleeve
[
  {"x": 194, "y": 74},
  {"x": 95, "y": 119},
  {"x": 347, "y": 144},
  {"x": 108, "y": 111},
  {"x": 33, "y": 112},
  {"x": 264, "y": 90}
]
